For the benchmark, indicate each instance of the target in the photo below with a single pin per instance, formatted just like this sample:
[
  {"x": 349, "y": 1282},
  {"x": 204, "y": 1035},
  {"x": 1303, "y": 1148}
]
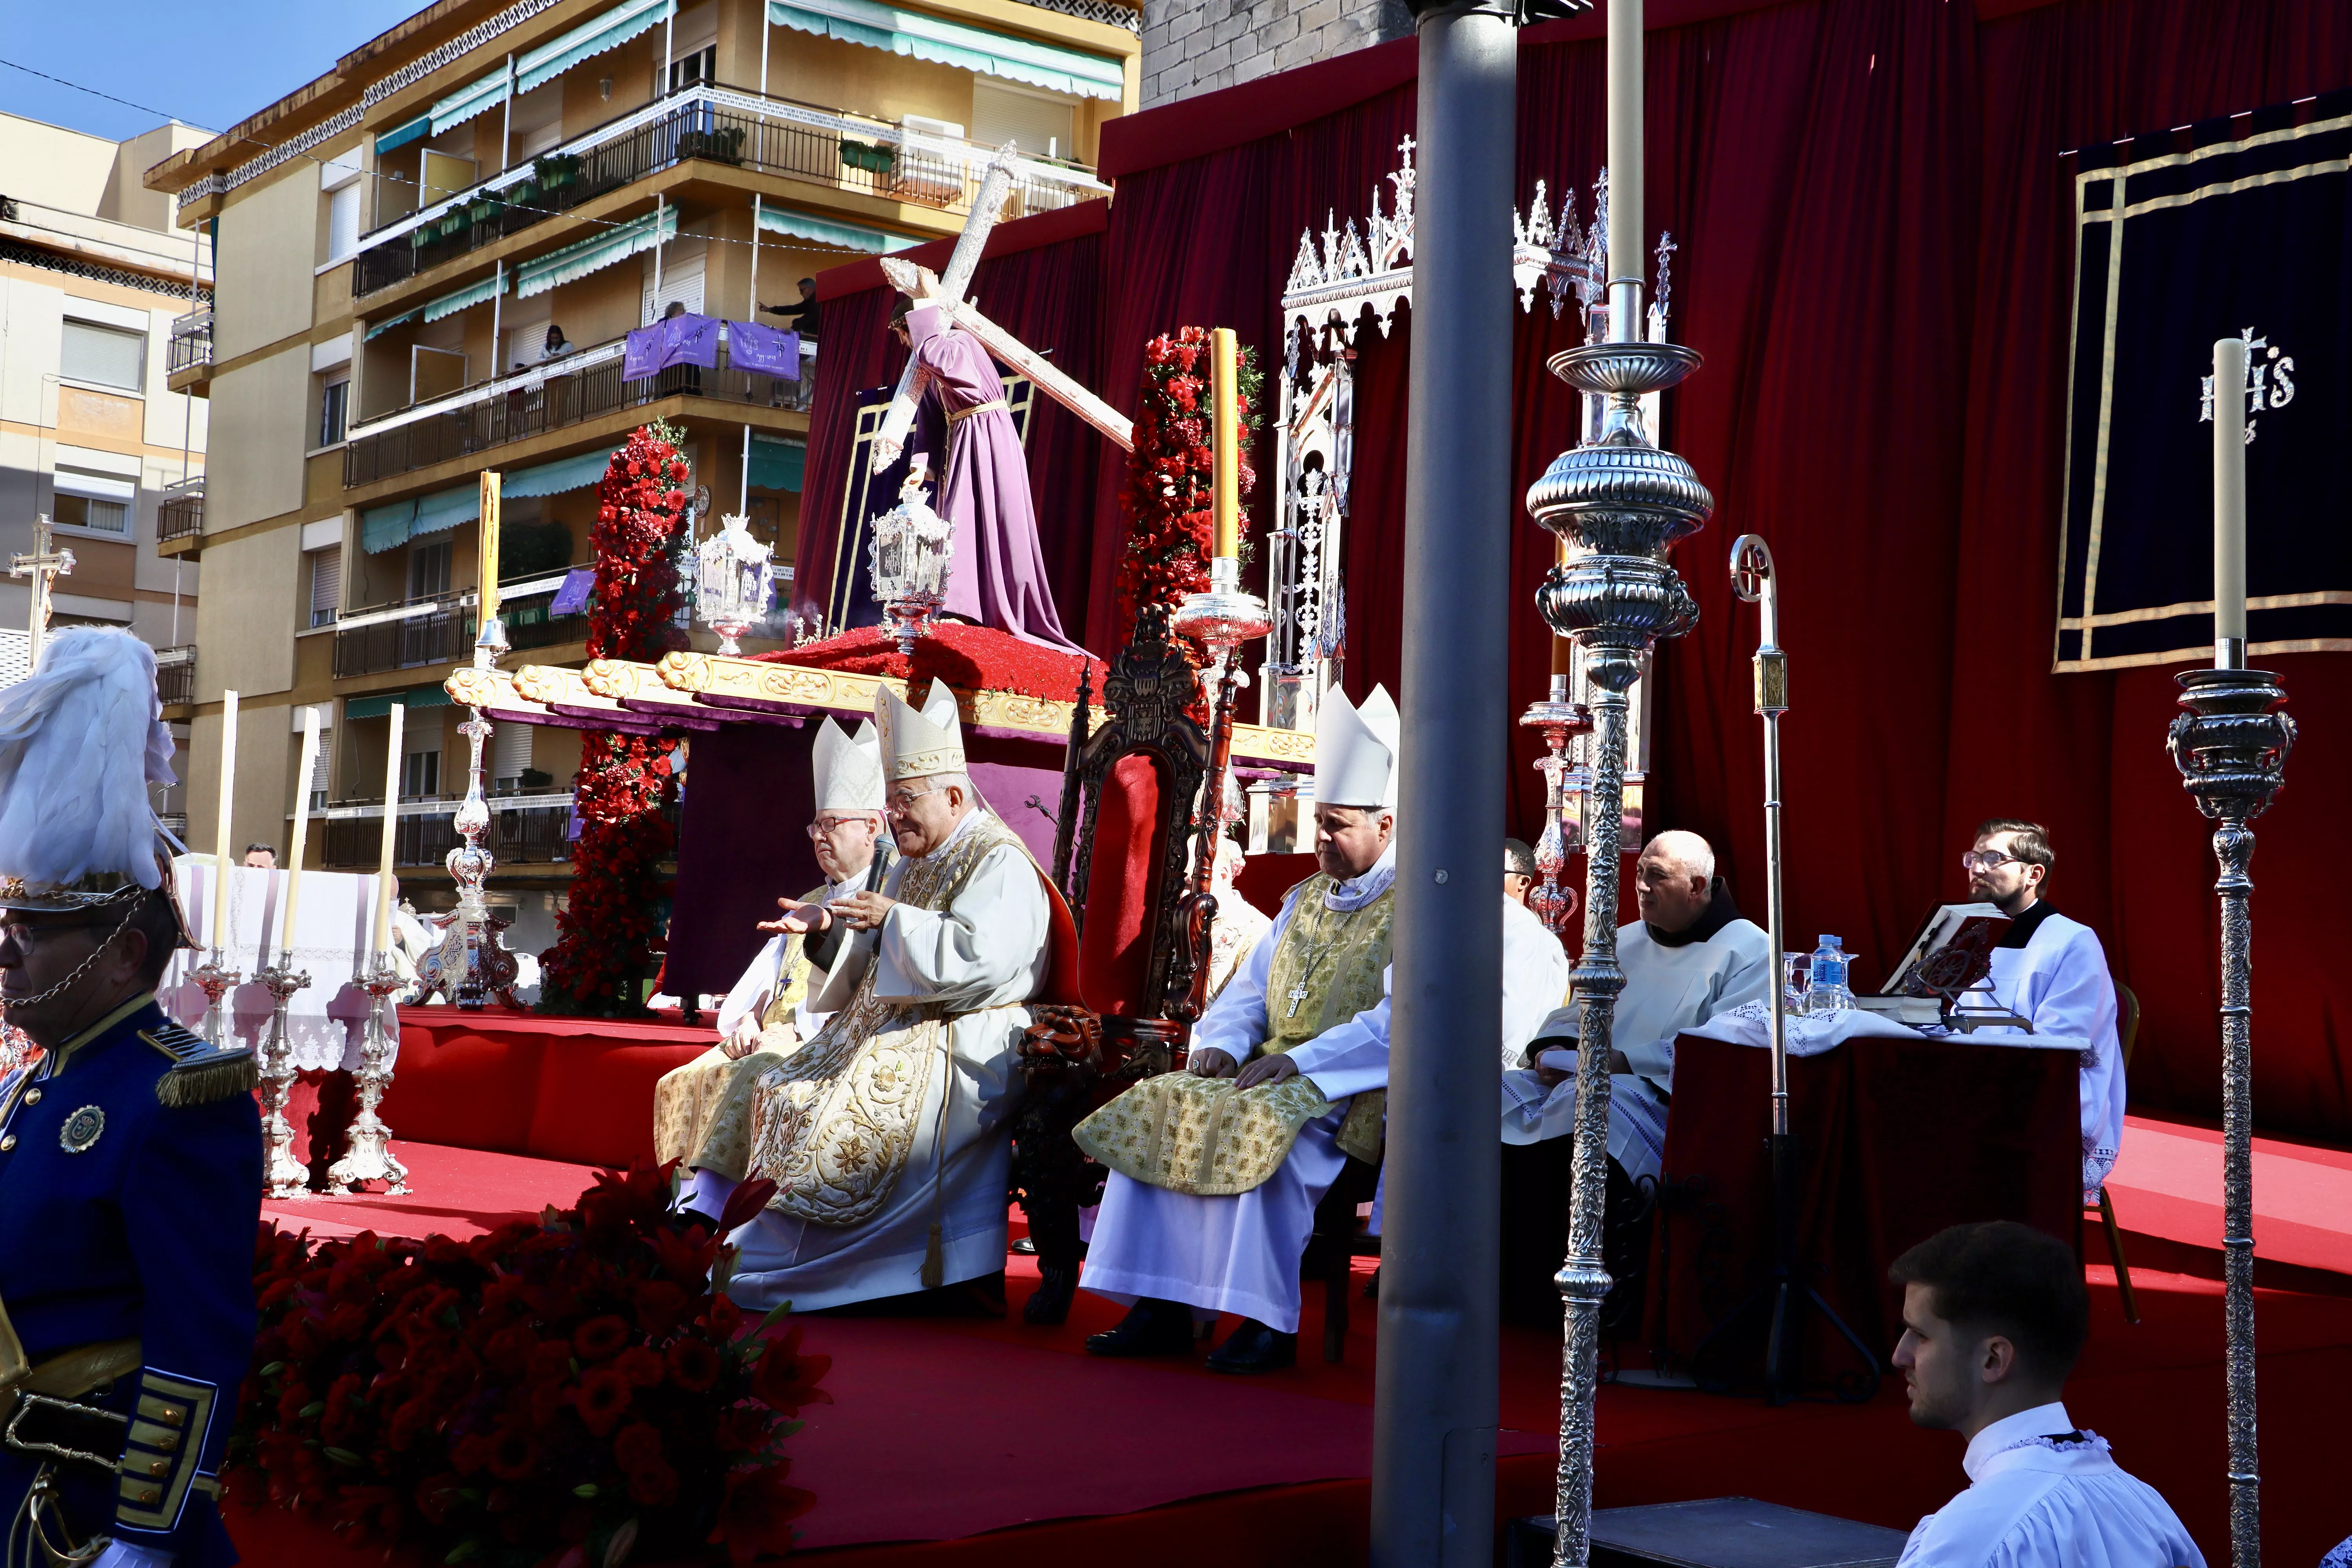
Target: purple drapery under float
[{"x": 965, "y": 438}]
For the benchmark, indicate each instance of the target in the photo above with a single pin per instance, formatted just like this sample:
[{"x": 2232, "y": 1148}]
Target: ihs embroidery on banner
[{"x": 82, "y": 1130}]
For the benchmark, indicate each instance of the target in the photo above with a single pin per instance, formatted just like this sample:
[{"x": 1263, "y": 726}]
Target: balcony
[
  {"x": 438, "y": 630},
  {"x": 525, "y": 830},
  {"x": 176, "y": 675},
  {"x": 848, "y": 152},
  {"x": 587, "y": 386},
  {"x": 180, "y": 521},
  {"x": 188, "y": 358}
]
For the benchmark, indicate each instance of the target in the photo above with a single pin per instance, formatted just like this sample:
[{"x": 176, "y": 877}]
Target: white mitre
[
  {"x": 1356, "y": 750},
  {"x": 917, "y": 745},
  {"x": 848, "y": 768}
]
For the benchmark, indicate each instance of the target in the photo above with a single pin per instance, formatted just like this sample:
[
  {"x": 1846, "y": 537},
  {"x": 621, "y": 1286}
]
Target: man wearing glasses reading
[{"x": 2052, "y": 972}]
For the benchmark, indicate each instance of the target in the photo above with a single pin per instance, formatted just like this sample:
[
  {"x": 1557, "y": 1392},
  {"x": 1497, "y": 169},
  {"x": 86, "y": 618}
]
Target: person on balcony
[
  {"x": 556, "y": 345},
  {"x": 702, "y": 1111},
  {"x": 964, "y": 450},
  {"x": 886, "y": 1135},
  {"x": 803, "y": 315}
]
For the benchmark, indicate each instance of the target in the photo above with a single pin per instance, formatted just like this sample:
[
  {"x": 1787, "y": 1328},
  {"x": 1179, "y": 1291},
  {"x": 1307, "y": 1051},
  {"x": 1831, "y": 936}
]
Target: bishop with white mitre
[
  {"x": 1216, "y": 1172},
  {"x": 886, "y": 1134},
  {"x": 702, "y": 1111}
]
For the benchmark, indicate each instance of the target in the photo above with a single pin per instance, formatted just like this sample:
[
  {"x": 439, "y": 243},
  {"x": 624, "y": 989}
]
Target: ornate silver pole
[
  {"x": 1622, "y": 502},
  {"x": 286, "y": 1175},
  {"x": 2230, "y": 745},
  {"x": 470, "y": 863},
  {"x": 369, "y": 1157}
]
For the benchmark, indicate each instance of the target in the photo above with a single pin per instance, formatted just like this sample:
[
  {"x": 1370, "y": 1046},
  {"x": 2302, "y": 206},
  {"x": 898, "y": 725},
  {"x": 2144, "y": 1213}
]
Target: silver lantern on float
[
  {"x": 735, "y": 575},
  {"x": 910, "y": 551}
]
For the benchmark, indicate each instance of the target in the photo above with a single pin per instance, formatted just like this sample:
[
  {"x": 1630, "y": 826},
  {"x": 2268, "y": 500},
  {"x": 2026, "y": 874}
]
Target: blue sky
[{"x": 204, "y": 62}]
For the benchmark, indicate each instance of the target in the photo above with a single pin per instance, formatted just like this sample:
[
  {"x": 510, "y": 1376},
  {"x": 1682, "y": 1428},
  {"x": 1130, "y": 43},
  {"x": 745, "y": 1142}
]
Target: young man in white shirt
[{"x": 1994, "y": 1315}]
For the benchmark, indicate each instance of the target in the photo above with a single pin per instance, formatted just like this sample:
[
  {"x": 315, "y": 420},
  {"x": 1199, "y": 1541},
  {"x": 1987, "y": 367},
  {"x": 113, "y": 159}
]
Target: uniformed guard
[{"x": 130, "y": 1151}]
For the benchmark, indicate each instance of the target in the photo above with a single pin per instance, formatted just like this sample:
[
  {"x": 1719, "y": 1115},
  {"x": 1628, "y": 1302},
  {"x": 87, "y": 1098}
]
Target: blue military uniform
[{"x": 130, "y": 1193}]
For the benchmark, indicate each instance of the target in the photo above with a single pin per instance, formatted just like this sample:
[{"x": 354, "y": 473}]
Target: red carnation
[
  {"x": 514, "y": 1454},
  {"x": 693, "y": 1365},
  {"x": 601, "y": 1399},
  {"x": 601, "y": 1337},
  {"x": 655, "y": 1485},
  {"x": 641, "y": 1366},
  {"x": 637, "y": 1446}
]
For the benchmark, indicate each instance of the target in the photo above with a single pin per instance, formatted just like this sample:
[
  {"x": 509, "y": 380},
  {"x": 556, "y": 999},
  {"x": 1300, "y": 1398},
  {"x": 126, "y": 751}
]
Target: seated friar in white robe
[
  {"x": 1675, "y": 981},
  {"x": 2042, "y": 1494},
  {"x": 2053, "y": 972},
  {"x": 886, "y": 1132}
]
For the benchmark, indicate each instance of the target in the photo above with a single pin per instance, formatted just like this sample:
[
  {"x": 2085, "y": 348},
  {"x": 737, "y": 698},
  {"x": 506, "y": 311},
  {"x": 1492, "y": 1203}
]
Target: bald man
[{"x": 1689, "y": 957}]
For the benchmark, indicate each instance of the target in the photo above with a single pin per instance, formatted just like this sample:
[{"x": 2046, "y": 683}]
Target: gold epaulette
[{"x": 200, "y": 1072}]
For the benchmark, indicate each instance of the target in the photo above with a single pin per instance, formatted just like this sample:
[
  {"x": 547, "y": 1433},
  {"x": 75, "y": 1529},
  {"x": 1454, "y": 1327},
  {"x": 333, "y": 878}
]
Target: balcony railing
[
  {"x": 588, "y": 385},
  {"x": 403, "y": 636},
  {"x": 850, "y": 151},
  {"x": 175, "y": 674},
  {"x": 525, "y": 830},
  {"x": 182, "y": 514},
  {"x": 191, "y": 343},
  {"x": 546, "y": 631}
]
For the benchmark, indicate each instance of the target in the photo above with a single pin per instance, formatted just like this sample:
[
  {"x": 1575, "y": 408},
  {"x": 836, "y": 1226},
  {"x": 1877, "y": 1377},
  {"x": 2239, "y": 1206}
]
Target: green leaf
[
  {"x": 314, "y": 1408},
  {"x": 776, "y": 1314},
  {"x": 584, "y": 1489},
  {"x": 345, "y": 1457},
  {"x": 462, "y": 1550},
  {"x": 273, "y": 1369}
]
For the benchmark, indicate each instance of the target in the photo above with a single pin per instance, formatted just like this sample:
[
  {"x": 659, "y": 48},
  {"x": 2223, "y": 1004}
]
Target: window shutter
[
  {"x": 510, "y": 752},
  {"x": 326, "y": 584}
]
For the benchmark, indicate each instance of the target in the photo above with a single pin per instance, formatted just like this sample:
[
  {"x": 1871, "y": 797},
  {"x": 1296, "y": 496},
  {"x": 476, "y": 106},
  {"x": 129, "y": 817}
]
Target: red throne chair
[{"x": 1127, "y": 812}]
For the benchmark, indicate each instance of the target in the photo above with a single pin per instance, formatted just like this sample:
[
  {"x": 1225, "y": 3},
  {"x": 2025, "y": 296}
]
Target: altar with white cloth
[
  {"x": 331, "y": 939},
  {"x": 1899, "y": 1134}
]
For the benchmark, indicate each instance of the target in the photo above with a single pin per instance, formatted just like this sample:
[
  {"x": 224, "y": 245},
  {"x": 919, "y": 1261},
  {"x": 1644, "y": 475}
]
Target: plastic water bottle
[{"x": 1829, "y": 992}]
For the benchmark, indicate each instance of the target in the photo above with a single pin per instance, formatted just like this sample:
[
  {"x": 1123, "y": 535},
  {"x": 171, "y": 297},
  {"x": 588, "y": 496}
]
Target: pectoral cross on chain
[{"x": 1296, "y": 994}]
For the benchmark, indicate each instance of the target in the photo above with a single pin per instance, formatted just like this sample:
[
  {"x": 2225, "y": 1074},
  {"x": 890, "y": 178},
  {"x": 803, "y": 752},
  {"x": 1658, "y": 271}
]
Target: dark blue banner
[{"x": 2235, "y": 228}]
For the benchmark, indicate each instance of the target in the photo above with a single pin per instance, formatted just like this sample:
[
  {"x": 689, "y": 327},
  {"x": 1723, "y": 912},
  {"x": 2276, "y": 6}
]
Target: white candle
[
  {"x": 391, "y": 827},
  {"x": 1625, "y": 217},
  {"x": 2229, "y": 502},
  {"x": 301, "y": 824},
  {"x": 221, "y": 846}
]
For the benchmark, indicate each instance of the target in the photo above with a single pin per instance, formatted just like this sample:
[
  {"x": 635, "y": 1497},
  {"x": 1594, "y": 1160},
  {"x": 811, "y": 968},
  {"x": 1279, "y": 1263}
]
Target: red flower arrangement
[
  {"x": 549, "y": 1396},
  {"x": 604, "y": 936},
  {"x": 1170, "y": 495}
]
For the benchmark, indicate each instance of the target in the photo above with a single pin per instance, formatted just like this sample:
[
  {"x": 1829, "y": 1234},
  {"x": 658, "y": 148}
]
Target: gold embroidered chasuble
[
  {"x": 835, "y": 1122},
  {"x": 1206, "y": 1137}
]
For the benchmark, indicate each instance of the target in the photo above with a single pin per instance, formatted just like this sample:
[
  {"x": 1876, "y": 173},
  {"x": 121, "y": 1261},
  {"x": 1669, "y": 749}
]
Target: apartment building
[
  {"x": 429, "y": 260},
  {"x": 97, "y": 286}
]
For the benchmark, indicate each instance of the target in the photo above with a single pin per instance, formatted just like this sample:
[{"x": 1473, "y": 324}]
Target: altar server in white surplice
[
  {"x": 1689, "y": 957},
  {"x": 886, "y": 1134},
  {"x": 702, "y": 1111},
  {"x": 1994, "y": 1315},
  {"x": 2053, "y": 972}
]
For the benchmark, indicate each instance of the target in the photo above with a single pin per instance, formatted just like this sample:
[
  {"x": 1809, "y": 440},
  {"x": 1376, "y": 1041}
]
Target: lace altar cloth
[{"x": 325, "y": 1018}]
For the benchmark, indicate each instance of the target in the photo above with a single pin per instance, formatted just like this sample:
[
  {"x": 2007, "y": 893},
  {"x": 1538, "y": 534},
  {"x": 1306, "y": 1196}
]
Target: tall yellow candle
[
  {"x": 2229, "y": 502},
  {"x": 1224, "y": 360},
  {"x": 391, "y": 828},
  {"x": 223, "y": 852},
  {"x": 301, "y": 824},
  {"x": 488, "y": 569}
]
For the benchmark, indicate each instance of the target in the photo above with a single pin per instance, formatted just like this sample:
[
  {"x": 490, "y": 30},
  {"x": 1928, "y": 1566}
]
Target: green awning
[
  {"x": 389, "y": 527},
  {"x": 377, "y": 329},
  {"x": 598, "y": 250},
  {"x": 469, "y": 101},
  {"x": 402, "y": 135},
  {"x": 929, "y": 37},
  {"x": 376, "y": 707},
  {"x": 833, "y": 232},
  {"x": 777, "y": 465},
  {"x": 450, "y": 304},
  {"x": 593, "y": 36}
]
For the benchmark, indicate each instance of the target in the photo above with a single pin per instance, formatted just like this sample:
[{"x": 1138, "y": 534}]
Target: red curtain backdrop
[{"x": 1876, "y": 250}]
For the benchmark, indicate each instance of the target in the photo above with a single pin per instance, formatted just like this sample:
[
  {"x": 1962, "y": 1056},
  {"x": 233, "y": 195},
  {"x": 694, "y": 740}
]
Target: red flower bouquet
[
  {"x": 551, "y": 1393},
  {"x": 605, "y": 935},
  {"x": 1170, "y": 495}
]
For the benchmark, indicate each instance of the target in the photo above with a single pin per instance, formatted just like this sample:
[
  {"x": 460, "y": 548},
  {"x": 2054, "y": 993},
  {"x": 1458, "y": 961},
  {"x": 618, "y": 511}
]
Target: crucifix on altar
[
  {"x": 43, "y": 566},
  {"x": 949, "y": 418}
]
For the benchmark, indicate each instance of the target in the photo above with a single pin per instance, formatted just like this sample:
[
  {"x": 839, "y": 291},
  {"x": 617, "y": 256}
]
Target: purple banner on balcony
[
  {"x": 572, "y": 597},
  {"x": 675, "y": 339},
  {"x": 770, "y": 351}
]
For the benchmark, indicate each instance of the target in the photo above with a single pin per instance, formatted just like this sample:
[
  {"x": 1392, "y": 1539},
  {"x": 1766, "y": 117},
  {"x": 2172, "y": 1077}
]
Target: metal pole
[{"x": 1434, "y": 1405}]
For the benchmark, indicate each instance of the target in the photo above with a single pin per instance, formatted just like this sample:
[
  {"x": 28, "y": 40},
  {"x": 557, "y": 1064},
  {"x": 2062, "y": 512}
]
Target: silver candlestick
[
  {"x": 286, "y": 1175},
  {"x": 2230, "y": 746},
  {"x": 1622, "y": 502},
  {"x": 1555, "y": 718},
  {"x": 368, "y": 1155},
  {"x": 218, "y": 980}
]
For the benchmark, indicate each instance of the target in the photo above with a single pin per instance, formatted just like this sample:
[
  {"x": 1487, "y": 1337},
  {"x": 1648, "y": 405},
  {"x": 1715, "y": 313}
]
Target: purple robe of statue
[{"x": 964, "y": 438}]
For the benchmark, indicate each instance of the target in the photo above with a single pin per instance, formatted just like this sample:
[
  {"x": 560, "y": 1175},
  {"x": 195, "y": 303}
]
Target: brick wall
[{"x": 1192, "y": 46}]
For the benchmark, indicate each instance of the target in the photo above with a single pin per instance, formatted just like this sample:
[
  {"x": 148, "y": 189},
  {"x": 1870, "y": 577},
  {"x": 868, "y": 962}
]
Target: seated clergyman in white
[
  {"x": 1307, "y": 1012},
  {"x": 1689, "y": 957},
  {"x": 1994, "y": 1315},
  {"x": 2052, "y": 972}
]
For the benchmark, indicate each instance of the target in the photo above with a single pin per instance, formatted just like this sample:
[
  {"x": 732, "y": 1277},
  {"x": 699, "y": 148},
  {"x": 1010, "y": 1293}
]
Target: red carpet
[
  {"x": 2167, "y": 1188},
  {"x": 984, "y": 1441}
]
